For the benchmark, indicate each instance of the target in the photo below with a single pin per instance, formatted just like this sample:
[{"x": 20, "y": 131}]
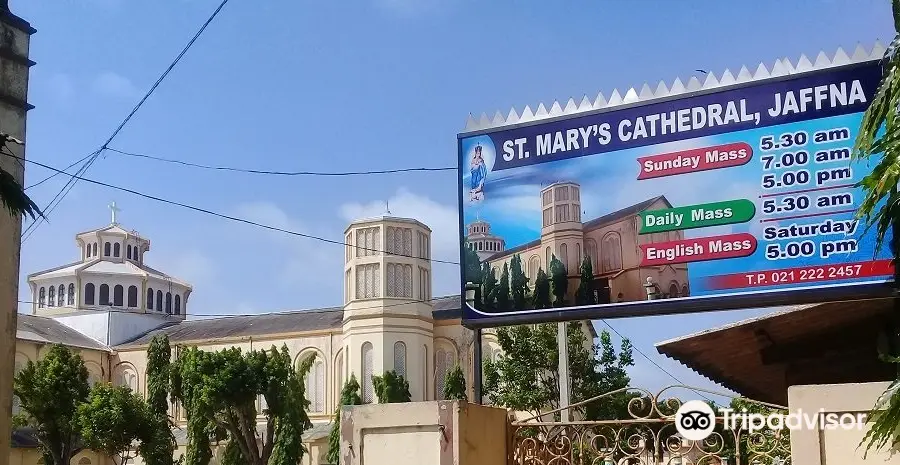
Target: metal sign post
[{"x": 563, "y": 371}]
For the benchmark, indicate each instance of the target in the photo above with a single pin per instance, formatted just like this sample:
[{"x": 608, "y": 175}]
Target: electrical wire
[
  {"x": 55, "y": 174},
  {"x": 227, "y": 217},
  {"x": 657, "y": 365},
  {"x": 93, "y": 157},
  {"x": 279, "y": 173}
]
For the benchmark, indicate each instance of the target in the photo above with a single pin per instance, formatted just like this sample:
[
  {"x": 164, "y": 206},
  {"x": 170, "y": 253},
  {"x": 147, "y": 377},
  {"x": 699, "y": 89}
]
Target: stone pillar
[{"x": 15, "y": 34}]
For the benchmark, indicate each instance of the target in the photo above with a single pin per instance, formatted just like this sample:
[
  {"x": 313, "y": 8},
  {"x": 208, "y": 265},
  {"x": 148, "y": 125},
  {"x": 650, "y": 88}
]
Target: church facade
[{"x": 110, "y": 303}]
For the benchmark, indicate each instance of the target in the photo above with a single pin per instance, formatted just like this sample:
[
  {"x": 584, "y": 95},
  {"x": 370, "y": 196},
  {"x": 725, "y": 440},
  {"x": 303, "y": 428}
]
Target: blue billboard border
[{"x": 762, "y": 299}]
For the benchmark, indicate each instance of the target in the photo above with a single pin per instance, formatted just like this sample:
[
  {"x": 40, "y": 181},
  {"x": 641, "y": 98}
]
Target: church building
[{"x": 109, "y": 303}]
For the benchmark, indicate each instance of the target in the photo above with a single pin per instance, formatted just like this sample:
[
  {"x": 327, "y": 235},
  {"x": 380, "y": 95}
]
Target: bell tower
[{"x": 388, "y": 321}]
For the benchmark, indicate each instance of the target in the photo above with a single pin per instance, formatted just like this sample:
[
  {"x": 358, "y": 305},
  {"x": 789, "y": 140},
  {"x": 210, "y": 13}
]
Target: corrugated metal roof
[
  {"x": 49, "y": 331},
  {"x": 834, "y": 342}
]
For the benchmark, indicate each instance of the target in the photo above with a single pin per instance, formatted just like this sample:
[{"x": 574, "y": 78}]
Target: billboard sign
[{"x": 737, "y": 196}]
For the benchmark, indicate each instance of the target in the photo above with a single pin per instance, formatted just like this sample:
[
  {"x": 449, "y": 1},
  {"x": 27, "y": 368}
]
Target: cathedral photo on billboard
[{"x": 611, "y": 241}]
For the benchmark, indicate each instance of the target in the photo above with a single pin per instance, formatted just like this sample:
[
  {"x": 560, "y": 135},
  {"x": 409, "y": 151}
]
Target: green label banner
[{"x": 697, "y": 216}]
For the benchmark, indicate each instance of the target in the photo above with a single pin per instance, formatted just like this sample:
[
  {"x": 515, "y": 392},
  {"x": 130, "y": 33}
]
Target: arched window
[
  {"x": 673, "y": 290},
  {"x": 159, "y": 305},
  {"x": 611, "y": 251},
  {"x": 42, "y": 297},
  {"x": 564, "y": 256},
  {"x": 71, "y": 295},
  {"x": 400, "y": 358},
  {"x": 89, "y": 294},
  {"x": 339, "y": 372},
  {"x": 578, "y": 256},
  {"x": 132, "y": 296},
  {"x": 177, "y": 304},
  {"x": 128, "y": 251},
  {"x": 118, "y": 295},
  {"x": 104, "y": 294},
  {"x": 368, "y": 390},
  {"x": 149, "y": 298},
  {"x": 444, "y": 361},
  {"x": 61, "y": 296},
  {"x": 684, "y": 290},
  {"x": 117, "y": 249},
  {"x": 106, "y": 248},
  {"x": 169, "y": 303},
  {"x": 534, "y": 264},
  {"x": 425, "y": 372},
  {"x": 590, "y": 251},
  {"x": 51, "y": 297},
  {"x": 315, "y": 386},
  {"x": 549, "y": 255},
  {"x": 125, "y": 376}
]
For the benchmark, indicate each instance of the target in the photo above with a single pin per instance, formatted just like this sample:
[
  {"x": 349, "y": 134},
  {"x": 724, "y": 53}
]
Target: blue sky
[{"x": 367, "y": 84}]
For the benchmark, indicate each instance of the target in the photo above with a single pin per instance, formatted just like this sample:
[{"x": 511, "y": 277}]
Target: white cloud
[
  {"x": 306, "y": 265},
  {"x": 114, "y": 85}
]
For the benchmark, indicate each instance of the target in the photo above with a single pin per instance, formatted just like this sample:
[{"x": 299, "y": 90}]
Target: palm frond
[{"x": 14, "y": 198}]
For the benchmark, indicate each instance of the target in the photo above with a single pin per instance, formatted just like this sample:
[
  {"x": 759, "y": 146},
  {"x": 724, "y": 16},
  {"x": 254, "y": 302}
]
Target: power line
[
  {"x": 653, "y": 361},
  {"x": 93, "y": 157},
  {"x": 227, "y": 217},
  {"x": 279, "y": 173},
  {"x": 55, "y": 174}
]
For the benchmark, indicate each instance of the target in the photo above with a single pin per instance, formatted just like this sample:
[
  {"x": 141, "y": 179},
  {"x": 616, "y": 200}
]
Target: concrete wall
[
  {"x": 15, "y": 36},
  {"x": 834, "y": 446},
  {"x": 438, "y": 433}
]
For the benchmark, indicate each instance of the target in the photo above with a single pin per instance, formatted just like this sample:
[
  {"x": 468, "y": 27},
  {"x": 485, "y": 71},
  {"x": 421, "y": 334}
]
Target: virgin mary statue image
[{"x": 478, "y": 171}]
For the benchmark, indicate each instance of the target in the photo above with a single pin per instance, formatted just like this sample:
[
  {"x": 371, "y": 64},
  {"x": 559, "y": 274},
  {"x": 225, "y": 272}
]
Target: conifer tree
[
  {"x": 349, "y": 396},
  {"x": 559, "y": 282},
  {"x": 503, "y": 289},
  {"x": 585, "y": 293},
  {"x": 518, "y": 283},
  {"x": 541, "y": 290},
  {"x": 455, "y": 385},
  {"x": 391, "y": 388},
  {"x": 488, "y": 288}
]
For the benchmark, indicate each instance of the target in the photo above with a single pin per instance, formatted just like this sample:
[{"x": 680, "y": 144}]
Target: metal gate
[{"x": 645, "y": 434}]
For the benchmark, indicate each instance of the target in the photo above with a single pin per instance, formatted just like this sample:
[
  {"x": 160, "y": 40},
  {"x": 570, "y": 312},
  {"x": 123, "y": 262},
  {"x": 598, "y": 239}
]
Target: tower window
[
  {"x": 71, "y": 299},
  {"x": 61, "y": 297},
  {"x": 42, "y": 297},
  {"x": 169, "y": 303},
  {"x": 177, "y": 304},
  {"x": 118, "y": 295},
  {"x": 94, "y": 247},
  {"x": 89, "y": 294},
  {"x": 106, "y": 249},
  {"x": 51, "y": 297},
  {"x": 117, "y": 249},
  {"x": 159, "y": 306},
  {"x": 104, "y": 294},
  {"x": 132, "y": 296},
  {"x": 149, "y": 298},
  {"x": 400, "y": 358},
  {"x": 128, "y": 251},
  {"x": 368, "y": 389}
]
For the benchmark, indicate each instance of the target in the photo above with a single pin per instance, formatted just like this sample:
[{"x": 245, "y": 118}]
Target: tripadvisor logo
[{"x": 695, "y": 420}]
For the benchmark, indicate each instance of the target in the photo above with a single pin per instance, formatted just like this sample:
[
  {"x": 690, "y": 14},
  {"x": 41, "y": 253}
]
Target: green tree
[
  {"x": 158, "y": 445},
  {"x": 541, "y": 297},
  {"x": 879, "y": 138},
  {"x": 503, "y": 289},
  {"x": 518, "y": 283},
  {"x": 12, "y": 194},
  {"x": 112, "y": 421},
  {"x": 220, "y": 390},
  {"x": 489, "y": 288},
  {"x": 776, "y": 441},
  {"x": 525, "y": 376},
  {"x": 585, "y": 294},
  {"x": 391, "y": 388},
  {"x": 455, "y": 384},
  {"x": 49, "y": 393},
  {"x": 559, "y": 282},
  {"x": 474, "y": 271},
  {"x": 349, "y": 396}
]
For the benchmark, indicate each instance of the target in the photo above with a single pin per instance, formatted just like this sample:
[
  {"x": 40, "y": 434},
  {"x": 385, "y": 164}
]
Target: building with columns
[{"x": 110, "y": 302}]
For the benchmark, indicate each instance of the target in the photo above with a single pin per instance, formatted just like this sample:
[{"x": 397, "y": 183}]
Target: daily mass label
[{"x": 746, "y": 190}]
